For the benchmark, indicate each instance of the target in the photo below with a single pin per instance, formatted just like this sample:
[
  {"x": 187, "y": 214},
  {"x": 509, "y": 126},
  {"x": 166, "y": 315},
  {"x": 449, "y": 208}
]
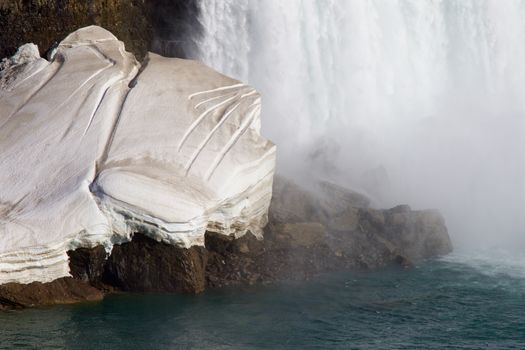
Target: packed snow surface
[{"x": 94, "y": 147}]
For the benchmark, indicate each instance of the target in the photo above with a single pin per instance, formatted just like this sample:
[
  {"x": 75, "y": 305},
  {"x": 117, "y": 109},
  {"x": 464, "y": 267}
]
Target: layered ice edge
[{"x": 95, "y": 147}]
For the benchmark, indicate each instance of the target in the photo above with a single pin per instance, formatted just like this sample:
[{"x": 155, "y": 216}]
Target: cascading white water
[{"x": 414, "y": 101}]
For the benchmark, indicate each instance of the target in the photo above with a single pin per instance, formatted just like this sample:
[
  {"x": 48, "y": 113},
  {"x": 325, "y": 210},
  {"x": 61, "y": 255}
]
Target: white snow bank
[{"x": 92, "y": 151}]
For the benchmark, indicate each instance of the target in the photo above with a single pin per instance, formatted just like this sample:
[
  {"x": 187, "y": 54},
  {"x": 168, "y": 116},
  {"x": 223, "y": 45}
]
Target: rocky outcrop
[
  {"x": 308, "y": 234},
  {"x": 282, "y": 255},
  {"x": 353, "y": 228},
  {"x": 47, "y": 22},
  {"x": 61, "y": 291},
  {"x": 145, "y": 265},
  {"x": 166, "y": 27},
  {"x": 88, "y": 264}
]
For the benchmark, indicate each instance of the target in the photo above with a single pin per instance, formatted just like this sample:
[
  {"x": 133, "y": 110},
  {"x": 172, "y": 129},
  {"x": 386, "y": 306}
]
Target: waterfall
[{"x": 410, "y": 101}]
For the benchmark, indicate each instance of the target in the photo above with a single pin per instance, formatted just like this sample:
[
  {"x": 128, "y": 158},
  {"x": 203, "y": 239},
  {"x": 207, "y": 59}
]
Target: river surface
[{"x": 456, "y": 302}]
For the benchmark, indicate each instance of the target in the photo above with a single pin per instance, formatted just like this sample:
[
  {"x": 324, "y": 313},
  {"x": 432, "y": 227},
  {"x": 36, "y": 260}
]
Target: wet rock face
[
  {"x": 148, "y": 266},
  {"x": 88, "y": 264},
  {"x": 175, "y": 26},
  {"x": 145, "y": 265},
  {"x": 165, "y": 27},
  {"x": 277, "y": 257},
  {"x": 142, "y": 265},
  {"x": 46, "y": 22}
]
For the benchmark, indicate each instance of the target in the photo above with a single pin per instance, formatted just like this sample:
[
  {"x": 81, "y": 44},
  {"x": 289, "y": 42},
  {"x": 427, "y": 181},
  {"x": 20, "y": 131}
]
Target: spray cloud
[{"x": 409, "y": 101}]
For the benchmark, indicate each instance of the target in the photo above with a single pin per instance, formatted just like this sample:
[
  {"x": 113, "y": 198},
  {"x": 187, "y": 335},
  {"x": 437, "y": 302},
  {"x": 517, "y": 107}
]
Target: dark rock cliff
[{"x": 162, "y": 26}]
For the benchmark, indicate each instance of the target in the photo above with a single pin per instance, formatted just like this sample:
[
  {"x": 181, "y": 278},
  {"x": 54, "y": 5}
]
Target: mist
[{"x": 416, "y": 102}]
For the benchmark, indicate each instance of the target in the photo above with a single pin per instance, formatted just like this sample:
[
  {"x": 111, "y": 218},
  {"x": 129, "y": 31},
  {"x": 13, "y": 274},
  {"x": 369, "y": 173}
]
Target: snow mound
[{"x": 95, "y": 147}]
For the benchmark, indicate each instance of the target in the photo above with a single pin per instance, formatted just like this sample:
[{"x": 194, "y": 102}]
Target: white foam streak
[{"x": 491, "y": 262}]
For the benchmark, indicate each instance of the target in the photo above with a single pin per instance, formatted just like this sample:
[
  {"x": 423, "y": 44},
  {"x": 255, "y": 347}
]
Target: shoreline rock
[
  {"x": 64, "y": 290},
  {"x": 349, "y": 238}
]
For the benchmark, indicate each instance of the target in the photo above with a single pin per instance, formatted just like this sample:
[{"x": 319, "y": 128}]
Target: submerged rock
[{"x": 96, "y": 147}]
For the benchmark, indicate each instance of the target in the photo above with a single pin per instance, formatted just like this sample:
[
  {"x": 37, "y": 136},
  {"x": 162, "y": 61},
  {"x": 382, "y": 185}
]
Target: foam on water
[{"x": 491, "y": 262}]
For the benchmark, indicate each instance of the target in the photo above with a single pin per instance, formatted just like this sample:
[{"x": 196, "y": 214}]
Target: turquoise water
[{"x": 445, "y": 304}]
